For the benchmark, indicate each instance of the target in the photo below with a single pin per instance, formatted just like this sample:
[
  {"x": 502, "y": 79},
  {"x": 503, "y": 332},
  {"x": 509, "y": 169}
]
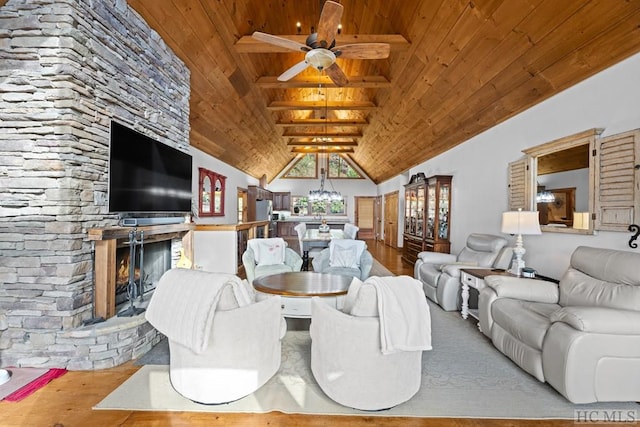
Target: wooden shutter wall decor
[
  {"x": 518, "y": 185},
  {"x": 617, "y": 183}
]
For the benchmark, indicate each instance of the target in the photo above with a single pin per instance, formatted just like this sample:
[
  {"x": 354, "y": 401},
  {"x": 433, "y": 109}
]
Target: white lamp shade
[{"x": 520, "y": 222}]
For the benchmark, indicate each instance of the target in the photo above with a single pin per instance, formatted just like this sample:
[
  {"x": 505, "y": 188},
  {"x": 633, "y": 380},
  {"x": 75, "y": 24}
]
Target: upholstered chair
[
  {"x": 345, "y": 256},
  {"x": 367, "y": 360},
  {"x": 301, "y": 229},
  {"x": 440, "y": 273},
  {"x": 264, "y": 257},
  {"x": 582, "y": 335},
  {"x": 351, "y": 231},
  {"x": 223, "y": 345}
]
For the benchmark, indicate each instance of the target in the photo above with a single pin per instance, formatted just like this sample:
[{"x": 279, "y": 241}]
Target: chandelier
[
  {"x": 545, "y": 196},
  {"x": 322, "y": 194}
]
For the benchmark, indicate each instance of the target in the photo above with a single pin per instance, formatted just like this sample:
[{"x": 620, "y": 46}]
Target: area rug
[
  {"x": 26, "y": 381},
  {"x": 379, "y": 270},
  {"x": 463, "y": 376}
]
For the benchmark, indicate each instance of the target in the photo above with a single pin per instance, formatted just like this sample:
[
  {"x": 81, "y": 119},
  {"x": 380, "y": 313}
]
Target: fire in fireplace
[{"x": 156, "y": 260}]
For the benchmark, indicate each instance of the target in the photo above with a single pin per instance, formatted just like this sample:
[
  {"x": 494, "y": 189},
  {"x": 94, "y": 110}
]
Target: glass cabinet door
[
  {"x": 407, "y": 211},
  {"x": 431, "y": 210},
  {"x": 443, "y": 212},
  {"x": 420, "y": 211}
]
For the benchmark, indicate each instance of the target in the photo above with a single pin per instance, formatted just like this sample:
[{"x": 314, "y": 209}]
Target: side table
[{"x": 474, "y": 277}]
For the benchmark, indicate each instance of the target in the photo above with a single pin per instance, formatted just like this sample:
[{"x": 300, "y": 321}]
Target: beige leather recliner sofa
[
  {"x": 440, "y": 273},
  {"x": 582, "y": 335}
]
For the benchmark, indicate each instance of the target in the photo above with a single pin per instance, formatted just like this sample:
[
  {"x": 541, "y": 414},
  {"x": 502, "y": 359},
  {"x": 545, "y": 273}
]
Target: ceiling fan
[{"x": 320, "y": 48}]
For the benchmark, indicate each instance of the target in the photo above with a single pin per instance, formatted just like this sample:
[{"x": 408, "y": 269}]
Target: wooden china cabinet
[
  {"x": 438, "y": 205},
  {"x": 426, "y": 219}
]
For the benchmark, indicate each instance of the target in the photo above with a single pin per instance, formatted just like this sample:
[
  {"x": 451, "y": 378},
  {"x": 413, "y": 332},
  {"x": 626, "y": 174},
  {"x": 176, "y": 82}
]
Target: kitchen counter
[
  {"x": 285, "y": 227},
  {"x": 312, "y": 220}
]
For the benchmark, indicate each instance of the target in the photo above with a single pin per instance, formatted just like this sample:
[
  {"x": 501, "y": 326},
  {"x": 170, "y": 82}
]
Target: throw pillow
[
  {"x": 366, "y": 303},
  {"x": 352, "y": 294},
  {"x": 358, "y": 245},
  {"x": 271, "y": 251},
  {"x": 343, "y": 257}
]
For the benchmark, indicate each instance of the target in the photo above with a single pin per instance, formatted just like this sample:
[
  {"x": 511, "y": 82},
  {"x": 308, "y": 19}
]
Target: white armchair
[
  {"x": 345, "y": 256},
  {"x": 214, "y": 327},
  {"x": 440, "y": 273},
  {"x": 348, "y": 359},
  {"x": 264, "y": 257}
]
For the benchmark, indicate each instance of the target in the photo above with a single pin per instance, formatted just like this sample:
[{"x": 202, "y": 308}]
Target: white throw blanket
[
  {"x": 184, "y": 302},
  {"x": 405, "y": 320}
]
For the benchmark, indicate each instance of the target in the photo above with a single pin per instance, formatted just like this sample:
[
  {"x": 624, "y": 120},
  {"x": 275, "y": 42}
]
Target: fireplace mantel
[{"x": 108, "y": 239}]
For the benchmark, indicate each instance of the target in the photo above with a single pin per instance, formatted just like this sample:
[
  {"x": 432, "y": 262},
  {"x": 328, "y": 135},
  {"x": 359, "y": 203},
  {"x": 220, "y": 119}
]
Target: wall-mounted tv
[{"x": 145, "y": 175}]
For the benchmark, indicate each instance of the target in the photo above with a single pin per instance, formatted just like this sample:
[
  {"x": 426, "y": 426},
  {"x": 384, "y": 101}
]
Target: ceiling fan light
[{"x": 320, "y": 58}]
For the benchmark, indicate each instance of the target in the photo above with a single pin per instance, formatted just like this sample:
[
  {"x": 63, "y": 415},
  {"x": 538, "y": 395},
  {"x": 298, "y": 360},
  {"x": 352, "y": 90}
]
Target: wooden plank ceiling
[{"x": 456, "y": 68}]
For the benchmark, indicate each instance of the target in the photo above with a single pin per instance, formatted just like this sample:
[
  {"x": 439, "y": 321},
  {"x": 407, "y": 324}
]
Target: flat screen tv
[{"x": 145, "y": 175}]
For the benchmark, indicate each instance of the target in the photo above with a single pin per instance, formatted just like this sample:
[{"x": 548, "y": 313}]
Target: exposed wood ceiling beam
[
  {"x": 323, "y": 134},
  {"x": 345, "y": 143},
  {"x": 324, "y": 149},
  {"x": 247, "y": 44},
  {"x": 321, "y": 122},
  {"x": 374, "y": 82},
  {"x": 320, "y": 105}
]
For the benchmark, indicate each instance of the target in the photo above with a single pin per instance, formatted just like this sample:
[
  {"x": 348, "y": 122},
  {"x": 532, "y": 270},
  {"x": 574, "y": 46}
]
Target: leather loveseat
[
  {"x": 440, "y": 273},
  {"x": 582, "y": 336}
]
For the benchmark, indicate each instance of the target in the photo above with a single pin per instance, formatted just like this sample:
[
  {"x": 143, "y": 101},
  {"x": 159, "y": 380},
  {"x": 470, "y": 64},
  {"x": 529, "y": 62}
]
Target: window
[
  {"x": 302, "y": 206},
  {"x": 305, "y": 167},
  {"x": 211, "y": 193},
  {"x": 339, "y": 167}
]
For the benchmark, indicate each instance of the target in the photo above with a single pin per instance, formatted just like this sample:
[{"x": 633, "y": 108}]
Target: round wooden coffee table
[{"x": 297, "y": 288}]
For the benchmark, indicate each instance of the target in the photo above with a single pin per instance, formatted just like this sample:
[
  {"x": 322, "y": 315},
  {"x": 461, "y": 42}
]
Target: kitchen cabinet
[
  {"x": 286, "y": 229},
  {"x": 281, "y": 201}
]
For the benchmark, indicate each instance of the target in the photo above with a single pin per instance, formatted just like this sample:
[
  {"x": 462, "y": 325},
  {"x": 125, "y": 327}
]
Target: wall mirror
[
  {"x": 211, "y": 193},
  {"x": 562, "y": 183}
]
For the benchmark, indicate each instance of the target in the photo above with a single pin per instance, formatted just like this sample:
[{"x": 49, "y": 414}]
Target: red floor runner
[{"x": 34, "y": 385}]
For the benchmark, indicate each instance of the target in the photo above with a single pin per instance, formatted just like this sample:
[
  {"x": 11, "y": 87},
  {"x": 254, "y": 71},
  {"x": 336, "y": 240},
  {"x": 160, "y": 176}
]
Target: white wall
[
  {"x": 610, "y": 100},
  {"x": 235, "y": 179}
]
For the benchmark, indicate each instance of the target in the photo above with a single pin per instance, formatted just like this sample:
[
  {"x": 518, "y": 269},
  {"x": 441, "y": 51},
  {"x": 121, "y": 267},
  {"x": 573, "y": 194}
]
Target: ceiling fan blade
[
  {"x": 336, "y": 74},
  {"x": 280, "y": 41},
  {"x": 329, "y": 21},
  {"x": 293, "y": 71},
  {"x": 363, "y": 51}
]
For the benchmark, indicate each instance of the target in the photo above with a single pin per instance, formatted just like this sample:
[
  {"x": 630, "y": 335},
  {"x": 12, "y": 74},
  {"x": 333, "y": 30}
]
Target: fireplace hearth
[{"x": 161, "y": 251}]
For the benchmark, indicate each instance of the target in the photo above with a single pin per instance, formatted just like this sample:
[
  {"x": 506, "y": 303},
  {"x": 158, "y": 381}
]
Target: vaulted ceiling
[{"x": 456, "y": 68}]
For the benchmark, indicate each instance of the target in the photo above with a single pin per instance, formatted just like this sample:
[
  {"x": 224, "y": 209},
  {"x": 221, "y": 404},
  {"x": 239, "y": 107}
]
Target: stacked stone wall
[{"x": 67, "y": 68}]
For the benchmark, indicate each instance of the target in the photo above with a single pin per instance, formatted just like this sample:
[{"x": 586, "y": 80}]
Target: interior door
[
  {"x": 377, "y": 218},
  {"x": 364, "y": 217},
  {"x": 242, "y": 205},
  {"x": 391, "y": 219}
]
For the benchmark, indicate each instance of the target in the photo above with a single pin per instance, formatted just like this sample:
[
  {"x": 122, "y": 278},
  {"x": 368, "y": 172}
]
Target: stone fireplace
[{"x": 68, "y": 68}]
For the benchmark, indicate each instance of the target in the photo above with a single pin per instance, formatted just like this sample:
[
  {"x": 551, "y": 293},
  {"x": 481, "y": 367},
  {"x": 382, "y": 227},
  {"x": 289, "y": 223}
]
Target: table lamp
[{"x": 520, "y": 222}]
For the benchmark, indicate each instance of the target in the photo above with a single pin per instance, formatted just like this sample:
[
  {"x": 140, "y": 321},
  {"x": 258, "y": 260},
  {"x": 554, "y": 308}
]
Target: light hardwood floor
[{"x": 67, "y": 401}]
